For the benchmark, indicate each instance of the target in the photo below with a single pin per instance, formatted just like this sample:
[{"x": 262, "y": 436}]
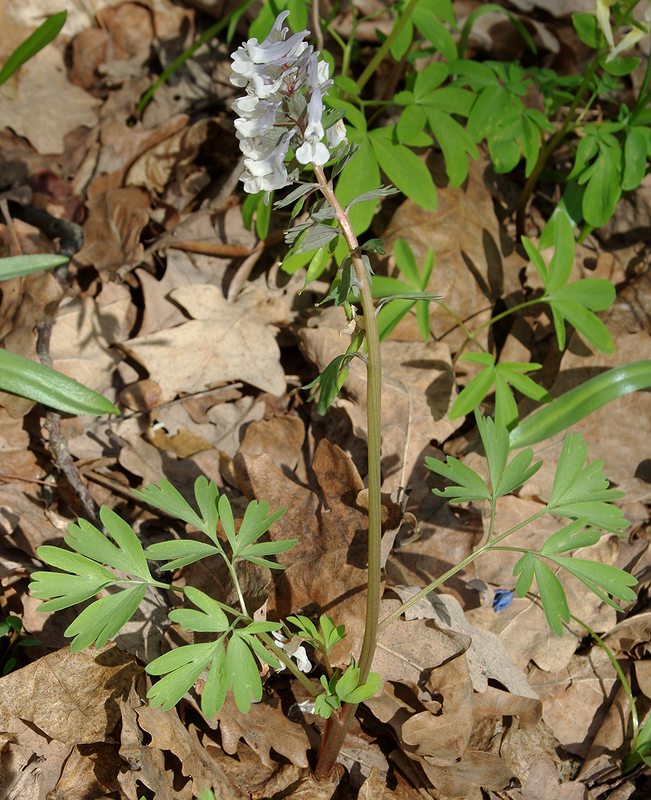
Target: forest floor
[{"x": 181, "y": 316}]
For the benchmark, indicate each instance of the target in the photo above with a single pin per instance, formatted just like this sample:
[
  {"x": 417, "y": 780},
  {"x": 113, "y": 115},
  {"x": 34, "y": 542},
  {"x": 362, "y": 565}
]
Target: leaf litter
[{"x": 207, "y": 360}]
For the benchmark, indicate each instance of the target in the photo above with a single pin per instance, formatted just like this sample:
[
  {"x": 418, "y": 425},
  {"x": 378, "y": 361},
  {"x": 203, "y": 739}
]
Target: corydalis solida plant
[{"x": 284, "y": 83}]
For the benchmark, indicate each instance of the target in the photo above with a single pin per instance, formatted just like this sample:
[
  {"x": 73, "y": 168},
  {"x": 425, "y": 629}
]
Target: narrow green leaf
[
  {"x": 45, "y": 385},
  {"x": 101, "y": 620},
  {"x": 243, "y": 676},
  {"x": 15, "y": 266},
  {"x": 613, "y": 580},
  {"x": 469, "y": 485},
  {"x": 216, "y": 685},
  {"x": 552, "y": 597},
  {"x": 166, "y": 498},
  {"x": 41, "y": 37},
  {"x": 122, "y": 533},
  {"x": 473, "y": 393},
  {"x": 228, "y": 521},
  {"x": 404, "y": 168},
  {"x": 571, "y": 537},
  {"x": 577, "y": 403},
  {"x": 206, "y": 494},
  {"x": 180, "y": 552}
]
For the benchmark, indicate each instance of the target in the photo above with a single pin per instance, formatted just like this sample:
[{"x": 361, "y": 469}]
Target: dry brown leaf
[
  {"x": 417, "y": 391},
  {"x": 281, "y": 438},
  {"x": 31, "y": 762},
  {"x": 406, "y": 650},
  {"x": 468, "y": 272},
  {"x": 42, "y": 85},
  {"x": 326, "y": 569},
  {"x": 573, "y": 696},
  {"x": 544, "y": 782},
  {"x": 113, "y": 227},
  {"x": 168, "y": 733},
  {"x": 71, "y": 697},
  {"x": 221, "y": 344},
  {"x": 264, "y": 728},
  {"x": 84, "y": 332},
  {"x": 464, "y": 779},
  {"x": 90, "y": 771},
  {"x": 487, "y": 657}
]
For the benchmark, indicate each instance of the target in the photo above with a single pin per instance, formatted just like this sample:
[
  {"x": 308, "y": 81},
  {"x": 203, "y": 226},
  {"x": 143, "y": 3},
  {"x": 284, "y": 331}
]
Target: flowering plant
[{"x": 284, "y": 81}]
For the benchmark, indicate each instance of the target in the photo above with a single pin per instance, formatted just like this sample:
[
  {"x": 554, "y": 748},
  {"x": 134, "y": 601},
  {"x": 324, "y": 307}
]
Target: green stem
[
  {"x": 488, "y": 545},
  {"x": 552, "y": 144},
  {"x": 472, "y": 335},
  {"x": 384, "y": 48},
  {"x": 334, "y": 739}
]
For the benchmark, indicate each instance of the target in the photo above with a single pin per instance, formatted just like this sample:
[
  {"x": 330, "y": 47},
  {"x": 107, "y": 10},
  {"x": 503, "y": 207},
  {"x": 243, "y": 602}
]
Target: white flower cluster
[{"x": 285, "y": 83}]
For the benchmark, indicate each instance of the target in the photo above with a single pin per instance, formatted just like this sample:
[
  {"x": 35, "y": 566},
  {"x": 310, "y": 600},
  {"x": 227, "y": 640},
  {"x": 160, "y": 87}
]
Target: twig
[{"x": 57, "y": 442}]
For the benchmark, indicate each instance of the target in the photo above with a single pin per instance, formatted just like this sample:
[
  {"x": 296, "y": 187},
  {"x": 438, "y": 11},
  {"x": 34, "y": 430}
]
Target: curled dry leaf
[
  {"x": 264, "y": 728},
  {"x": 487, "y": 656},
  {"x": 113, "y": 227}
]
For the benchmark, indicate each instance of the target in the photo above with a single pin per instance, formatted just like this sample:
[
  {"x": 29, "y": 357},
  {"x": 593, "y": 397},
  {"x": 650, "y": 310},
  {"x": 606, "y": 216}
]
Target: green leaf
[
  {"x": 180, "y": 552},
  {"x": 456, "y": 145},
  {"x": 243, "y": 676},
  {"x": 361, "y": 174},
  {"x": 41, "y": 37},
  {"x": 580, "y": 490},
  {"x": 577, "y": 403},
  {"x": 15, "y": 266},
  {"x": 429, "y": 26},
  {"x": 206, "y": 494},
  {"x": 552, "y": 597},
  {"x": 404, "y": 168},
  {"x": 166, "y": 498},
  {"x": 604, "y": 187},
  {"x": 101, "y": 620},
  {"x": 65, "y": 590},
  {"x": 467, "y": 484},
  {"x": 571, "y": 537},
  {"x": 366, "y": 690},
  {"x": 328, "y": 384},
  {"x": 611, "y": 579},
  {"x": 181, "y": 668},
  {"x": 216, "y": 685},
  {"x": 209, "y": 619},
  {"x": 587, "y": 29},
  {"x": 635, "y": 156},
  {"x": 45, "y": 385}
]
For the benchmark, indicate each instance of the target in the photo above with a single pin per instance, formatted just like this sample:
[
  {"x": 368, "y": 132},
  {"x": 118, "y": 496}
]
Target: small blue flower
[{"x": 502, "y": 599}]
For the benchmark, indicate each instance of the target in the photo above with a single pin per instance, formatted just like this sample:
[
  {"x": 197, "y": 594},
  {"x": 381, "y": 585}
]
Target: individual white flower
[
  {"x": 257, "y": 121},
  {"x": 298, "y": 653},
  {"x": 336, "y": 134},
  {"x": 269, "y": 172},
  {"x": 602, "y": 12},
  {"x": 313, "y": 150},
  {"x": 275, "y": 49},
  {"x": 630, "y": 39}
]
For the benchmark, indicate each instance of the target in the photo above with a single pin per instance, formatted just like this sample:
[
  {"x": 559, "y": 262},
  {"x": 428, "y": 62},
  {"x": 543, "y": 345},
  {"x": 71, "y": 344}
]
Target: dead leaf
[
  {"x": 468, "y": 273},
  {"x": 42, "y": 84},
  {"x": 487, "y": 657},
  {"x": 264, "y": 728},
  {"x": 326, "y": 569},
  {"x": 113, "y": 227},
  {"x": 220, "y": 344},
  {"x": 71, "y": 697},
  {"x": 406, "y": 650}
]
